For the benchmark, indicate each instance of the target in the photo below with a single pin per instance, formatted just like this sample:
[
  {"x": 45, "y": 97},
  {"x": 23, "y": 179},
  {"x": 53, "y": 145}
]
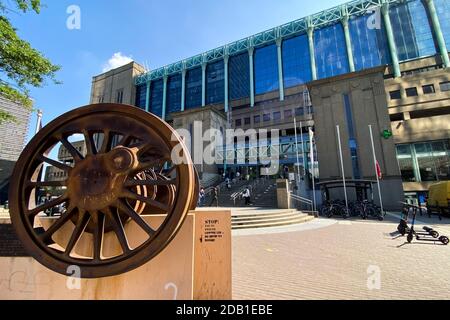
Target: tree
[{"x": 21, "y": 66}]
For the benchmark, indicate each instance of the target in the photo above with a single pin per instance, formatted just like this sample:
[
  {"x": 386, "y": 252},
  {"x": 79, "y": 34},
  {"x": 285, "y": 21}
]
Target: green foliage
[{"x": 21, "y": 66}]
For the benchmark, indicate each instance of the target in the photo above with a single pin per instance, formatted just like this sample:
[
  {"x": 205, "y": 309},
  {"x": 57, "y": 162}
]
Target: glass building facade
[
  {"x": 239, "y": 76},
  {"x": 141, "y": 96},
  {"x": 215, "y": 86},
  {"x": 413, "y": 37},
  {"x": 194, "y": 88},
  {"x": 156, "y": 97},
  {"x": 443, "y": 11},
  {"x": 266, "y": 69},
  {"x": 174, "y": 93},
  {"x": 330, "y": 51},
  {"x": 296, "y": 61},
  {"x": 369, "y": 45},
  {"x": 412, "y": 30}
]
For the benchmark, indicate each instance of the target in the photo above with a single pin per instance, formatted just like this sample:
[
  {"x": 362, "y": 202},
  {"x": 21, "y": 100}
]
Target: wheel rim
[{"x": 126, "y": 174}]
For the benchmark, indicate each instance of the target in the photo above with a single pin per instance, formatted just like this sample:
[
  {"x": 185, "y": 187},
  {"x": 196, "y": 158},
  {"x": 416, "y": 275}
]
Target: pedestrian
[
  {"x": 238, "y": 175},
  {"x": 246, "y": 196},
  {"x": 201, "y": 197},
  {"x": 215, "y": 197}
]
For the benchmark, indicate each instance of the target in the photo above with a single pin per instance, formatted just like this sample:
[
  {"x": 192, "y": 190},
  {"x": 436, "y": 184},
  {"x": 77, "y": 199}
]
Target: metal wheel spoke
[
  {"x": 37, "y": 184},
  {"x": 106, "y": 143},
  {"x": 90, "y": 143},
  {"x": 125, "y": 208},
  {"x": 133, "y": 183},
  {"x": 54, "y": 163},
  {"x": 47, "y": 205},
  {"x": 125, "y": 141},
  {"x": 76, "y": 155},
  {"x": 131, "y": 195},
  {"x": 83, "y": 221},
  {"x": 151, "y": 163},
  {"x": 118, "y": 230},
  {"x": 57, "y": 224},
  {"x": 99, "y": 220},
  {"x": 169, "y": 172}
]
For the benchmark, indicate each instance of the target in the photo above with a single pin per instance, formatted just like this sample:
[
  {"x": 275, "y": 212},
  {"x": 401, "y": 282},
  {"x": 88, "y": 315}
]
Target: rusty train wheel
[{"x": 126, "y": 173}]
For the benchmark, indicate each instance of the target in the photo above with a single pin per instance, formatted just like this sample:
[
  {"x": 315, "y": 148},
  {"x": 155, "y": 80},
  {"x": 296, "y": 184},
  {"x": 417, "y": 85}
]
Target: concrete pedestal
[{"x": 195, "y": 266}]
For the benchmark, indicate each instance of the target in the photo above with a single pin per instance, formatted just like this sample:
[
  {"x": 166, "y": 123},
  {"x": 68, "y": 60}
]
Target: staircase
[{"x": 245, "y": 218}]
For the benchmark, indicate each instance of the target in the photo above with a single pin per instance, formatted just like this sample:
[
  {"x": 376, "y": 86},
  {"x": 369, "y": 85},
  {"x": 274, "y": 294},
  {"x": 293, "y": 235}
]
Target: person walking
[
  {"x": 201, "y": 197},
  {"x": 246, "y": 196},
  {"x": 215, "y": 197}
]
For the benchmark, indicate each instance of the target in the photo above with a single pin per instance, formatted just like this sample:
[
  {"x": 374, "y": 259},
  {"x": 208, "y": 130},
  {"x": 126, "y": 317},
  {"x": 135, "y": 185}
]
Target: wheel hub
[{"x": 97, "y": 181}]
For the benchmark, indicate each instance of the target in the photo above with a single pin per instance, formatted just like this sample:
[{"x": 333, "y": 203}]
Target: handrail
[{"x": 302, "y": 200}]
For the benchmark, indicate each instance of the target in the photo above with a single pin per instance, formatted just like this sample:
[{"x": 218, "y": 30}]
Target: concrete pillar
[
  {"x": 251, "y": 52},
  {"x": 225, "y": 72},
  {"x": 204, "y": 84},
  {"x": 438, "y": 32},
  {"x": 147, "y": 97},
  {"x": 312, "y": 56},
  {"x": 348, "y": 43},
  {"x": 279, "y": 42},
  {"x": 391, "y": 40},
  {"x": 164, "y": 102}
]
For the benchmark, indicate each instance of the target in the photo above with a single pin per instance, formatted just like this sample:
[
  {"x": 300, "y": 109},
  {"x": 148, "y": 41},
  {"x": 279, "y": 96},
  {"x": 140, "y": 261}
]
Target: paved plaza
[{"x": 334, "y": 259}]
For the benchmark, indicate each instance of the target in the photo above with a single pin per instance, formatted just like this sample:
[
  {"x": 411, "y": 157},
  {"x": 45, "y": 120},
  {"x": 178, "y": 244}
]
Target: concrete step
[
  {"x": 273, "y": 224},
  {"x": 293, "y": 219},
  {"x": 265, "y": 217}
]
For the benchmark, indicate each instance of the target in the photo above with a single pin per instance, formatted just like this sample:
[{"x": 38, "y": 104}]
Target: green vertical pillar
[
  {"x": 438, "y": 33},
  {"x": 348, "y": 40},
  {"x": 251, "y": 52},
  {"x": 312, "y": 56},
  {"x": 391, "y": 40},
  {"x": 147, "y": 97},
  {"x": 279, "y": 43},
  {"x": 203, "y": 84},
  {"x": 164, "y": 102},
  {"x": 183, "y": 89},
  {"x": 225, "y": 72}
]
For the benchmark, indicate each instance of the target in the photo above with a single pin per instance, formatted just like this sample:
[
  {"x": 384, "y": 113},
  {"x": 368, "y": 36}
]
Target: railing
[{"x": 304, "y": 202}]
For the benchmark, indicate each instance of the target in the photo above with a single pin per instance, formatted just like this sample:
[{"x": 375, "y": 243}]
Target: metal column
[
  {"x": 280, "y": 68},
  {"x": 251, "y": 51},
  {"x": 164, "y": 102},
  {"x": 183, "y": 89},
  {"x": 438, "y": 32},
  {"x": 391, "y": 40},
  {"x": 348, "y": 40}
]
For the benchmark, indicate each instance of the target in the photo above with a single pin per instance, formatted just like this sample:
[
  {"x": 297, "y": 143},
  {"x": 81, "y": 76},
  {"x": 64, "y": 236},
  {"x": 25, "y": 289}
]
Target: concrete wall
[
  {"x": 369, "y": 107},
  {"x": 106, "y": 86}
]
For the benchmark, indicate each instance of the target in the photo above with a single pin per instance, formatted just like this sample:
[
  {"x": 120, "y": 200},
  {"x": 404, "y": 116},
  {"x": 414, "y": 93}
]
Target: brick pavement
[{"x": 332, "y": 263}]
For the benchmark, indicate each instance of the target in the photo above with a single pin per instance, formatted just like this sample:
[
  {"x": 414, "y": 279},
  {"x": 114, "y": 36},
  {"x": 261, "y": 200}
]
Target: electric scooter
[{"x": 429, "y": 235}]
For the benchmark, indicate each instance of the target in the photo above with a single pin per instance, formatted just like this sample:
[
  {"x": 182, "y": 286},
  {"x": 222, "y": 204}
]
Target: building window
[
  {"x": 256, "y": 119},
  {"x": 411, "y": 92},
  {"x": 288, "y": 114},
  {"x": 239, "y": 76},
  {"x": 296, "y": 61},
  {"x": 445, "y": 86},
  {"x": 119, "y": 96},
  {"x": 429, "y": 89},
  {"x": 425, "y": 161},
  {"x": 369, "y": 45},
  {"x": 215, "y": 84},
  {"x": 238, "y": 122},
  {"x": 247, "y": 121},
  {"x": 330, "y": 51},
  {"x": 266, "y": 69},
  {"x": 266, "y": 117},
  {"x": 277, "y": 116},
  {"x": 156, "y": 97},
  {"x": 299, "y": 111},
  {"x": 174, "y": 93},
  {"x": 194, "y": 88},
  {"x": 413, "y": 36},
  {"x": 353, "y": 144},
  {"x": 395, "y": 95}
]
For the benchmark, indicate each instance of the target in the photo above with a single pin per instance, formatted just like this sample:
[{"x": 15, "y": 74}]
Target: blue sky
[{"x": 155, "y": 32}]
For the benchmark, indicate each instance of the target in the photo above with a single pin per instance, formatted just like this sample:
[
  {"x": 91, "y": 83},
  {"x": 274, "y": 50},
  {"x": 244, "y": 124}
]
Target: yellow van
[{"x": 439, "y": 197}]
